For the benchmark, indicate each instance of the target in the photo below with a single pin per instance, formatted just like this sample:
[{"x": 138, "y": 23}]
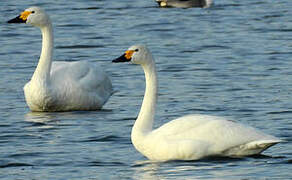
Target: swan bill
[
  {"x": 21, "y": 18},
  {"x": 122, "y": 58},
  {"x": 17, "y": 20}
]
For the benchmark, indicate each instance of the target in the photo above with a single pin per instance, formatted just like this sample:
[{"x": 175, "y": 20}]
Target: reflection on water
[
  {"x": 146, "y": 170},
  {"x": 41, "y": 120},
  {"x": 39, "y": 117},
  {"x": 218, "y": 168}
]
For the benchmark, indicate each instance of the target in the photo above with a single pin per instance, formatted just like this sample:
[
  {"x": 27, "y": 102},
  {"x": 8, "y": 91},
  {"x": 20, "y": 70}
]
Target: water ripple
[
  {"x": 79, "y": 46},
  {"x": 102, "y": 163},
  {"x": 87, "y": 8},
  {"x": 26, "y": 154},
  {"x": 8, "y": 165},
  {"x": 280, "y": 112},
  {"x": 109, "y": 138}
]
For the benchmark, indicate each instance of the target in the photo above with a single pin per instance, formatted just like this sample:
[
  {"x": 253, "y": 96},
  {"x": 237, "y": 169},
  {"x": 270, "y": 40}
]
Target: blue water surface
[{"x": 233, "y": 60}]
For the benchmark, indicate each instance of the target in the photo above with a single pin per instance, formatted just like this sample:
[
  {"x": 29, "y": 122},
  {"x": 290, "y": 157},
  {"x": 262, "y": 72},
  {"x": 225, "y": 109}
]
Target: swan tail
[
  {"x": 251, "y": 148},
  {"x": 262, "y": 145}
]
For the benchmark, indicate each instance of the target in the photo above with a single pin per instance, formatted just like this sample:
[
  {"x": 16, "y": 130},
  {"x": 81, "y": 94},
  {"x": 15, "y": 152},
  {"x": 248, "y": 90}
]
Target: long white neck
[
  {"x": 42, "y": 72},
  {"x": 144, "y": 122}
]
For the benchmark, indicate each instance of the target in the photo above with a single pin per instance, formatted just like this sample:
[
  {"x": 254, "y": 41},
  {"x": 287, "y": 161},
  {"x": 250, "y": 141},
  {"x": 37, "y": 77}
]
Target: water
[{"x": 231, "y": 60}]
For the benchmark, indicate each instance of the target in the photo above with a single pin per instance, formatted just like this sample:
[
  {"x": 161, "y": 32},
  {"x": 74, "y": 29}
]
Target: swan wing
[
  {"x": 216, "y": 134},
  {"x": 88, "y": 76},
  {"x": 80, "y": 82}
]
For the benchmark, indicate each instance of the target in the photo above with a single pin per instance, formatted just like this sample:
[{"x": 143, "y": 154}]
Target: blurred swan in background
[
  {"x": 189, "y": 137},
  {"x": 60, "y": 85},
  {"x": 185, "y": 3}
]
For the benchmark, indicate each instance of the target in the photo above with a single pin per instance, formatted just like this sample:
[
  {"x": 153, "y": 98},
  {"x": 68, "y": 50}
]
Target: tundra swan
[
  {"x": 190, "y": 137},
  {"x": 185, "y": 3},
  {"x": 60, "y": 85}
]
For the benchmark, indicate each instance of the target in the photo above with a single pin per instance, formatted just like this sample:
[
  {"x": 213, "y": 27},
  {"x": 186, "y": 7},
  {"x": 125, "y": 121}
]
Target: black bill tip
[
  {"x": 16, "y": 20},
  {"x": 121, "y": 59}
]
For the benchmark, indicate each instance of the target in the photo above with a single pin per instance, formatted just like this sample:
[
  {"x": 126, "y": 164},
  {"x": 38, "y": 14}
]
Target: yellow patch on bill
[
  {"x": 24, "y": 15},
  {"x": 128, "y": 54}
]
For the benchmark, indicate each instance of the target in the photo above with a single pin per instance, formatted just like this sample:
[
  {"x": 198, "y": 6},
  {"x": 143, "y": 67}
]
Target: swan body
[
  {"x": 60, "y": 85},
  {"x": 185, "y": 3},
  {"x": 190, "y": 137}
]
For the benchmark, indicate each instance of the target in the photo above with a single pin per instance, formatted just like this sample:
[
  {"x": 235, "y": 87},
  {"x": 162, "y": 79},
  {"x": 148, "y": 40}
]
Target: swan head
[
  {"x": 137, "y": 54},
  {"x": 162, "y": 3},
  {"x": 35, "y": 16}
]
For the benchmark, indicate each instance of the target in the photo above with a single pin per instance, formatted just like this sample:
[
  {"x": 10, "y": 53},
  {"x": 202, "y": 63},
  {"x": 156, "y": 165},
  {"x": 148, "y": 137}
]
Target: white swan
[
  {"x": 189, "y": 137},
  {"x": 185, "y": 3},
  {"x": 60, "y": 85}
]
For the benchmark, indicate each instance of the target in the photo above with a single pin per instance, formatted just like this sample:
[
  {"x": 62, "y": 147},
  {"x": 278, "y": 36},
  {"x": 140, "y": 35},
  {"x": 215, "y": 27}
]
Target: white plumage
[
  {"x": 60, "y": 85},
  {"x": 189, "y": 137}
]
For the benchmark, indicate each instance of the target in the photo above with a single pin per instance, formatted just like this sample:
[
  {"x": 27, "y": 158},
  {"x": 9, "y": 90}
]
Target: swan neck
[
  {"x": 43, "y": 69},
  {"x": 144, "y": 122}
]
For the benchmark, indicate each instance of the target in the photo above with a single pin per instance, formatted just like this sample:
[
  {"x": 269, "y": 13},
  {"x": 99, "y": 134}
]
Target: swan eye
[
  {"x": 32, "y": 12},
  {"x": 136, "y": 50}
]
